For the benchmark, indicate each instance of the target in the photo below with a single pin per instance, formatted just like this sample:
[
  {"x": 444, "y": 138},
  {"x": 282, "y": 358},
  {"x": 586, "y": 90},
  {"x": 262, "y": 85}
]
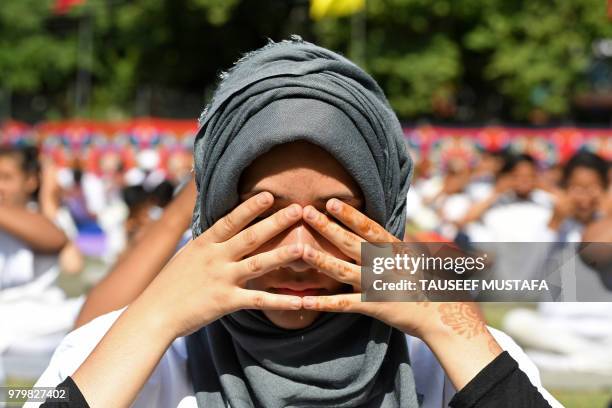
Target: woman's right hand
[{"x": 206, "y": 279}]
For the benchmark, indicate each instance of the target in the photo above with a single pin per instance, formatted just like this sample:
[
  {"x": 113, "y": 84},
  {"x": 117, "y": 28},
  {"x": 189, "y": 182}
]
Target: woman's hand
[
  {"x": 201, "y": 283},
  {"x": 414, "y": 318},
  {"x": 450, "y": 328},
  {"x": 206, "y": 279}
]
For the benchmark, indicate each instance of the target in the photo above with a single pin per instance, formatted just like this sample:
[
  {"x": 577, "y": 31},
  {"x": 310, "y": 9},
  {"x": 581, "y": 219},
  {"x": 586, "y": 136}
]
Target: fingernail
[
  {"x": 293, "y": 211},
  {"x": 334, "y": 205},
  {"x": 296, "y": 303},
  {"x": 295, "y": 249},
  {"x": 308, "y": 302},
  {"x": 310, "y": 214},
  {"x": 263, "y": 198}
]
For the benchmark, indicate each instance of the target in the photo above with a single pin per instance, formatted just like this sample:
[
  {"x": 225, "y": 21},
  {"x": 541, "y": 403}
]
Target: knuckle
[
  {"x": 320, "y": 261},
  {"x": 250, "y": 237},
  {"x": 343, "y": 273},
  {"x": 228, "y": 223},
  {"x": 279, "y": 219},
  {"x": 285, "y": 254},
  {"x": 343, "y": 304},
  {"x": 375, "y": 236},
  {"x": 322, "y": 221},
  {"x": 254, "y": 264},
  {"x": 258, "y": 301},
  {"x": 347, "y": 239}
]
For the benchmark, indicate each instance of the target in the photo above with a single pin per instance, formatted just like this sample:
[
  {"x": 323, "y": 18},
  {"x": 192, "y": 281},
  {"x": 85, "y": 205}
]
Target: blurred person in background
[
  {"x": 452, "y": 202},
  {"x": 144, "y": 258},
  {"x": 568, "y": 338},
  {"x": 580, "y": 200},
  {"x": 599, "y": 257},
  {"x": 551, "y": 178},
  {"x": 34, "y": 313},
  {"x": 163, "y": 193},
  {"x": 76, "y": 200},
  {"x": 140, "y": 211},
  {"x": 420, "y": 217},
  {"x": 71, "y": 259},
  {"x": 180, "y": 165},
  {"x": 516, "y": 211},
  {"x": 482, "y": 179},
  {"x": 111, "y": 218},
  {"x": 144, "y": 207}
]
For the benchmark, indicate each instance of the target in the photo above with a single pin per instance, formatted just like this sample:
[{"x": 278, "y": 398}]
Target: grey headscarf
[{"x": 284, "y": 92}]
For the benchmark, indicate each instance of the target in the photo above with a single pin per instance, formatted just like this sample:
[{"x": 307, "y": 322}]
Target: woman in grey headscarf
[{"x": 299, "y": 159}]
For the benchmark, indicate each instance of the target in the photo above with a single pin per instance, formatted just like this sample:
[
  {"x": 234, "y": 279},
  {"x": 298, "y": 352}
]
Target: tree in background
[
  {"x": 538, "y": 51},
  {"x": 32, "y": 61},
  {"x": 455, "y": 60},
  {"x": 479, "y": 59}
]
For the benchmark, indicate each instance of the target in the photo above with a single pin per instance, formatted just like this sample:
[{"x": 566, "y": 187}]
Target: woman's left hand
[
  {"x": 452, "y": 330},
  {"x": 421, "y": 319}
]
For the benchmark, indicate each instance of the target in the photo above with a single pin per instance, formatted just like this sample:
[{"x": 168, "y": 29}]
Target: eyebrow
[{"x": 348, "y": 198}]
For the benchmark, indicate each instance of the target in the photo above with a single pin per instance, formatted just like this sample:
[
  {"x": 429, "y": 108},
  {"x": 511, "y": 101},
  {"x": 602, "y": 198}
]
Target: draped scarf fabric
[{"x": 284, "y": 92}]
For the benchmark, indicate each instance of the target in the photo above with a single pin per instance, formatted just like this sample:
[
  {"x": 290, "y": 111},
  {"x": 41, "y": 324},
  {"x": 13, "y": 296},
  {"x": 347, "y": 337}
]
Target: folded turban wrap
[{"x": 284, "y": 92}]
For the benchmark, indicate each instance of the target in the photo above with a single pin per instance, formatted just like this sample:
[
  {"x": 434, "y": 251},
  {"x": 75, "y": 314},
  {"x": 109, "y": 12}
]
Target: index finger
[
  {"x": 358, "y": 222},
  {"x": 232, "y": 223}
]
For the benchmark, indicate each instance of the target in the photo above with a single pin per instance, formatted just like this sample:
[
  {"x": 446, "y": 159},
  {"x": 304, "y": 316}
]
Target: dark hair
[
  {"x": 135, "y": 197},
  {"x": 586, "y": 159},
  {"x": 162, "y": 193},
  {"x": 513, "y": 160},
  {"x": 26, "y": 155}
]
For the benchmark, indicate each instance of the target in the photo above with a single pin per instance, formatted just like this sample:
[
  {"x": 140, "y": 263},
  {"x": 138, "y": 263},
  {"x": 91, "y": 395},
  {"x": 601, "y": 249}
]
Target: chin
[{"x": 292, "y": 319}]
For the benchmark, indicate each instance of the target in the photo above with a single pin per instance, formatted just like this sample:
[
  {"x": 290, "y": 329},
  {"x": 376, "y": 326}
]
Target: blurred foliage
[
  {"x": 30, "y": 58},
  {"x": 440, "y": 59},
  {"x": 530, "y": 54},
  {"x": 539, "y": 49}
]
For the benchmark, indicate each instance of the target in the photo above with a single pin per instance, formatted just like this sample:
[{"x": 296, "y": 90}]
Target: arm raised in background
[
  {"x": 477, "y": 210},
  {"x": 34, "y": 229},
  {"x": 140, "y": 265}
]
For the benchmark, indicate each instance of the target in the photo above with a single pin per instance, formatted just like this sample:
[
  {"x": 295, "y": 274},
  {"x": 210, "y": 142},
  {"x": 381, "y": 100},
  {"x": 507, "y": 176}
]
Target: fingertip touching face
[{"x": 305, "y": 174}]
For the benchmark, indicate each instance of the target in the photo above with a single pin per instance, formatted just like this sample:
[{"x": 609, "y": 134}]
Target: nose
[{"x": 300, "y": 233}]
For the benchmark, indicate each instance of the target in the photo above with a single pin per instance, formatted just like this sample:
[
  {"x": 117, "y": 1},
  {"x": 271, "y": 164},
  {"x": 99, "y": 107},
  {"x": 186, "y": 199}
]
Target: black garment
[
  {"x": 75, "y": 398},
  {"x": 500, "y": 384}
]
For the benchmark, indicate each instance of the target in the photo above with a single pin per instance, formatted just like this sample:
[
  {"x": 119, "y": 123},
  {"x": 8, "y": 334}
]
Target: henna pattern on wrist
[{"x": 464, "y": 318}]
